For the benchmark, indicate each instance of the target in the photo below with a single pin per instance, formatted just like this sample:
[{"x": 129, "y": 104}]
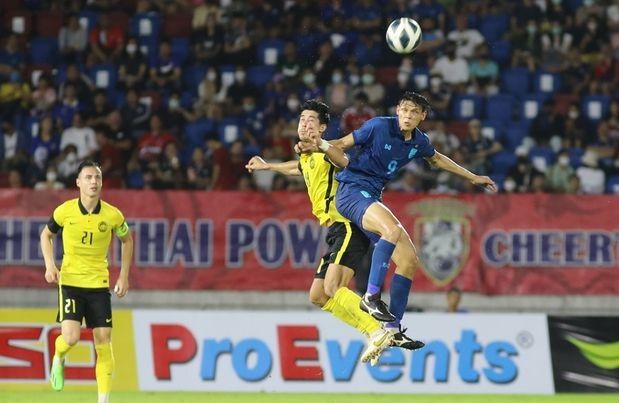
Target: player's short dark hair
[
  {"x": 87, "y": 163},
  {"x": 319, "y": 107},
  {"x": 416, "y": 98}
]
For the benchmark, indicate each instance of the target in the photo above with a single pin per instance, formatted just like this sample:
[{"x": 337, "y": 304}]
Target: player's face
[
  {"x": 90, "y": 181},
  {"x": 310, "y": 126},
  {"x": 409, "y": 115}
]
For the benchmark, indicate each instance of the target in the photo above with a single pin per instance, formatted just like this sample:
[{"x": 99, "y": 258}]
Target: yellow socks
[
  {"x": 344, "y": 305},
  {"x": 62, "y": 348},
  {"x": 104, "y": 369}
]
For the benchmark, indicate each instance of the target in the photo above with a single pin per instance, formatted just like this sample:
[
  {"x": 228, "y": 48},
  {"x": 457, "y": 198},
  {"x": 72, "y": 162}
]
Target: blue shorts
[{"x": 352, "y": 201}]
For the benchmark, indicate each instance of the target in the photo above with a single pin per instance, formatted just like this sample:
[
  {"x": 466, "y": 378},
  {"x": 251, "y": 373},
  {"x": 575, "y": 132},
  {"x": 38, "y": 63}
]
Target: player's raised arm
[
  {"x": 289, "y": 168},
  {"x": 441, "y": 161}
]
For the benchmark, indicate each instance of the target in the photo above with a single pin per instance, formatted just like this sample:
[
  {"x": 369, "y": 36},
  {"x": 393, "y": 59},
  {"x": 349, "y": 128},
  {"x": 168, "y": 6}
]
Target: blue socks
[
  {"x": 380, "y": 264},
  {"x": 400, "y": 288}
]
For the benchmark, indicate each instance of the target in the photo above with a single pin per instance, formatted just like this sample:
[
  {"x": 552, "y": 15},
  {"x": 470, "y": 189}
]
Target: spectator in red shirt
[
  {"x": 151, "y": 144},
  {"x": 228, "y": 166},
  {"x": 355, "y": 115},
  {"x": 106, "y": 41}
]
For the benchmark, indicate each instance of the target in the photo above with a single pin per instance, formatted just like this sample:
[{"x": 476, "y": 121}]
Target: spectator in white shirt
[
  {"x": 81, "y": 136},
  {"x": 452, "y": 69},
  {"x": 466, "y": 39}
]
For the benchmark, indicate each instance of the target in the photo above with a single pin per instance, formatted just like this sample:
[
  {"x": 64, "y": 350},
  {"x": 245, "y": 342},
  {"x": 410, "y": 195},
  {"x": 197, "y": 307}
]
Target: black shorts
[
  {"x": 93, "y": 304},
  {"x": 347, "y": 247}
]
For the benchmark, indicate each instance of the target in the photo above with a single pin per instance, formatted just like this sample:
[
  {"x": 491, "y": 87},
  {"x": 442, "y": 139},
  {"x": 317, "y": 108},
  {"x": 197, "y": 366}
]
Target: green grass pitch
[{"x": 217, "y": 397}]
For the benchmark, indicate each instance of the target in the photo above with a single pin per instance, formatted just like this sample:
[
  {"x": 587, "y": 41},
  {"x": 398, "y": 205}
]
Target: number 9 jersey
[
  {"x": 86, "y": 238},
  {"x": 382, "y": 151}
]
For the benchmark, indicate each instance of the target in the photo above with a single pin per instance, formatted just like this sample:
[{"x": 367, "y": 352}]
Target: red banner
[{"x": 494, "y": 244}]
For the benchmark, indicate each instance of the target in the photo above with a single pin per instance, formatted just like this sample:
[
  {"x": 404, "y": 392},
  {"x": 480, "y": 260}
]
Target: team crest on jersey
[
  {"x": 312, "y": 163},
  {"x": 442, "y": 234},
  {"x": 102, "y": 226}
]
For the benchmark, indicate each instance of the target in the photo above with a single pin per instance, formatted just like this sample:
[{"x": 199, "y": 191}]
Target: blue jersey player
[{"x": 386, "y": 144}]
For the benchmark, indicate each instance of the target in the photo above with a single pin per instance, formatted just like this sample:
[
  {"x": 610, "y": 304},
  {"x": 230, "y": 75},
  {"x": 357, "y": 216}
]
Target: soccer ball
[{"x": 403, "y": 35}]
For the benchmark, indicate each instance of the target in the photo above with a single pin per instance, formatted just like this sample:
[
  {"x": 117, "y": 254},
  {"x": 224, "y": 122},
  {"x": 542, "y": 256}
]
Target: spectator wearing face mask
[
  {"x": 338, "y": 93},
  {"x": 374, "y": 90},
  {"x": 68, "y": 162},
  {"x": 355, "y": 115},
  {"x": 133, "y": 67},
  {"x": 453, "y": 70},
  {"x": 310, "y": 88},
  {"x": 240, "y": 88},
  {"x": 558, "y": 174},
  {"x": 51, "y": 181}
]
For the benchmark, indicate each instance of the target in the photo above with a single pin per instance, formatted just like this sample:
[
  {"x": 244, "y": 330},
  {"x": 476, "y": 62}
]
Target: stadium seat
[
  {"x": 515, "y": 81},
  {"x": 180, "y": 49},
  {"x": 44, "y": 51},
  {"x": 545, "y": 83},
  {"x": 498, "y": 178},
  {"x": 104, "y": 75},
  {"x": 542, "y": 157},
  {"x": 595, "y": 107},
  {"x": 530, "y": 106},
  {"x": 48, "y": 23},
  {"x": 269, "y": 51},
  {"x": 226, "y": 72},
  {"x": 88, "y": 19},
  {"x": 466, "y": 106},
  {"x": 229, "y": 130},
  {"x": 18, "y": 22},
  {"x": 502, "y": 162},
  {"x": 30, "y": 126},
  {"x": 193, "y": 76},
  {"x": 575, "y": 156},
  {"x": 34, "y": 71},
  {"x": 514, "y": 134},
  {"x": 500, "y": 107},
  {"x": 260, "y": 75},
  {"x": 145, "y": 26},
  {"x": 563, "y": 101},
  {"x": 501, "y": 52},
  {"x": 493, "y": 26},
  {"x": 177, "y": 26},
  {"x": 493, "y": 129},
  {"x": 612, "y": 184},
  {"x": 152, "y": 98},
  {"x": 195, "y": 132}
]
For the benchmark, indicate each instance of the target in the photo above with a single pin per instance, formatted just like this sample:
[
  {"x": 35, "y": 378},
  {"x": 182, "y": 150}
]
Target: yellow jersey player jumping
[
  {"x": 87, "y": 225},
  {"x": 347, "y": 245}
]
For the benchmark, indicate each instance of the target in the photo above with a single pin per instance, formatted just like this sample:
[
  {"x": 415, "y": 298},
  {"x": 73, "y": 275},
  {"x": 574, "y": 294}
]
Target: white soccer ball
[{"x": 403, "y": 35}]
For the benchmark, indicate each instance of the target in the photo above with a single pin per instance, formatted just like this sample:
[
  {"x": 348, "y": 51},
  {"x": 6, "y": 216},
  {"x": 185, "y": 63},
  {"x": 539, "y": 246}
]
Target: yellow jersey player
[
  {"x": 87, "y": 224},
  {"x": 347, "y": 245}
]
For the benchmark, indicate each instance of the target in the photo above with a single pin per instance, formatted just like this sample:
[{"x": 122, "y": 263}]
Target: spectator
[
  {"x": 82, "y": 137},
  {"x": 310, "y": 88},
  {"x": 72, "y": 40},
  {"x": 100, "y": 110},
  {"x": 135, "y": 114},
  {"x": 14, "y": 96},
  {"x": 526, "y": 44},
  {"x": 169, "y": 173},
  {"x": 43, "y": 97},
  {"x": 466, "y": 39},
  {"x": 199, "y": 170},
  {"x": 374, "y": 90},
  {"x": 592, "y": 178},
  {"x": 165, "y": 72},
  {"x": 68, "y": 107},
  {"x": 338, "y": 93},
  {"x": 433, "y": 39},
  {"x": 354, "y": 116},
  {"x": 14, "y": 146},
  {"x": 574, "y": 133},
  {"x": 227, "y": 166},
  {"x": 240, "y": 88},
  {"x": 206, "y": 9},
  {"x": 51, "y": 181},
  {"x": 431, "y": 9},
  {"x": 133, "y": 68},
  {"x": 11, "y": 58},
  {"x": 106, "y": 41},
  {"x": 290, "y": 65},
  {"x": 407, "y": 182},
  {"x": 81, "y": 83},
  {"x": 523, "y": 174},
  {"x": 68, "y": 164},
  {"x": 45, "y": 146},
  {"x": 546, "y": 125},
  {"x": 574, "y": 185},
  {"x": 479, "y": 148},
  {"x": 325, "y": 63},
  {"x": 237, "y": 42},
  {"x": 454, "y": 297},
  {"x": 208, "y": 41},
  {"x": 151, "y": 144},
  {"x": 442, "y": 139},
  {"x": 453, "y": 70},
  {"x": 117, "y": 135},
  {"x": 366, "y": 17},
  {"x": 484, "y": 72},
  {"x": 558, "y": 175},
  {"x": 16, "y": 180}
]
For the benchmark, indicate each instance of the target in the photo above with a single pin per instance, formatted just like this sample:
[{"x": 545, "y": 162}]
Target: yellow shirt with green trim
[
  {"x": 319, "y": 175},
  {"x": 86, "y": 239}
]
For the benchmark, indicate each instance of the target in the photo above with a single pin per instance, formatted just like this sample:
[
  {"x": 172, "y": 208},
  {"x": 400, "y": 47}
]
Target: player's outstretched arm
[
  {"x": 47, "y": 247},
  {"x": 126, "y": 252},
  {"x": 441, "y": 161},
  {"x": 334, "y": 150},
  {"x": 289, "y": 168}
]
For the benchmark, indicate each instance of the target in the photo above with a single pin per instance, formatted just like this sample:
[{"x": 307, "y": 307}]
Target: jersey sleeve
[
  {"x": 121, "y": 228},
  {"x": 55, "y": 221},
  {"x": 426, "y": 150},
  {"x": 362, "y": 134}
]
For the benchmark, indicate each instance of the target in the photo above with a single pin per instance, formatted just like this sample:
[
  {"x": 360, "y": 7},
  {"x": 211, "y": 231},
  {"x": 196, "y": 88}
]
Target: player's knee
[
  {"x": 331, "y": 288},
  {"x": 407, "y": 267},
  {"x": 71, "y": 338},
  {"x": 393, "y": 232}
]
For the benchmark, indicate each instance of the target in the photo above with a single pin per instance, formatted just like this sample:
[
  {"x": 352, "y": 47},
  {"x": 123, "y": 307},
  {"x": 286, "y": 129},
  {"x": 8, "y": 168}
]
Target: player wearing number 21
[
  {"x": 385, "y": 145},
  {"x": 87, "y": 224}
]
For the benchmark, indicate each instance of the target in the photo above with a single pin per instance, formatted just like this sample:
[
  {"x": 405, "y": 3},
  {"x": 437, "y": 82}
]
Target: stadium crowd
[{"x": 178, "y": 94}]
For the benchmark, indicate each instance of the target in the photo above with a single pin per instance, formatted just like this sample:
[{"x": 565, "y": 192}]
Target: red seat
[
  {"x": 154, "y": 97},
  {"x": 48, "y": 24},
  {"x": 178, "y": 25},
  {"x": 387, "y": 75},
  {"x": 459, "y": 127}
]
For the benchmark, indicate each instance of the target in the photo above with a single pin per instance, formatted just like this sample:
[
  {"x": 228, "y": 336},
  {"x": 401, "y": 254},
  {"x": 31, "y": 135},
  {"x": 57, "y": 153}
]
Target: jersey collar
[{"x": 83, "y": 210}]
